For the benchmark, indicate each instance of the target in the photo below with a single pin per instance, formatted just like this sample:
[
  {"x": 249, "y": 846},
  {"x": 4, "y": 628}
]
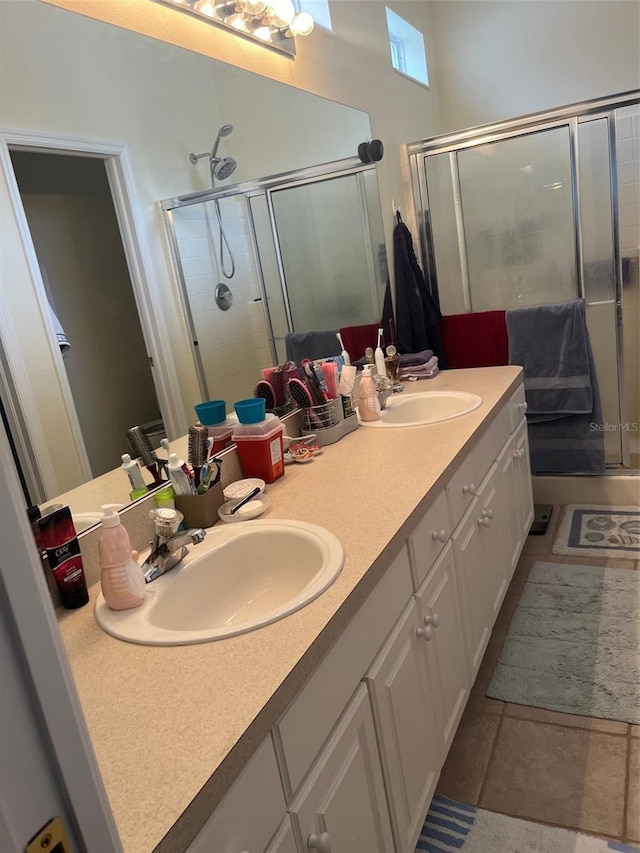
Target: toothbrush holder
[{"x": 201, "y": 510}]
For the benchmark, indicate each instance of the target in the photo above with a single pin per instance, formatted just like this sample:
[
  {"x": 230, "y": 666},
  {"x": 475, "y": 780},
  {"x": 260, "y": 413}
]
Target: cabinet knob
[
  {"x": 469, "y": 490},
  {"x": 321, "y": 843},
  {"x": 484, "y": 522},
  {"x": 439, "y": 535},
  {"x": 487, "y": 513},
  {"x": 522, "y": 407},
  {"x": 433, "y": 619},
  {"x": 424, "y": 633}
]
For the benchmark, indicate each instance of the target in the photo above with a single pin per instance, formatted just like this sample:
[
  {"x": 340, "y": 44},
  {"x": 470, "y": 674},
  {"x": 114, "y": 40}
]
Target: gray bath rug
[
  {"x": 600, "y": 531},
  {"x": 574, "y": 643}
]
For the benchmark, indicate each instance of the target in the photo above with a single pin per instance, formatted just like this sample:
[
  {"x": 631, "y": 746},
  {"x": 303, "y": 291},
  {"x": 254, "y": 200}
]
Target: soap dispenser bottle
[
  {"x": 368, "y": 403},
  {"x": 121, "y": 576}
]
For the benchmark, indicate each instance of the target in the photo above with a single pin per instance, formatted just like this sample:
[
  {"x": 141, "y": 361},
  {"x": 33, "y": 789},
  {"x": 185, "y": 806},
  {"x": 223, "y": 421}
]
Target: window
[
  {"x": 406, "y": 44},
  {"x": 318, "y": 9}
]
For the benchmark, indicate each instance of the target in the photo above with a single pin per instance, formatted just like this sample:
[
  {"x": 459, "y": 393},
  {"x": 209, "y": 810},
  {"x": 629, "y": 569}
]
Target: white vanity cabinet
[
  {"x": 361, "y": 746},
  {"x": 341, "y": 806},
  {"x": 251, "y": 811},
  {"x": 406, "y": 712}
]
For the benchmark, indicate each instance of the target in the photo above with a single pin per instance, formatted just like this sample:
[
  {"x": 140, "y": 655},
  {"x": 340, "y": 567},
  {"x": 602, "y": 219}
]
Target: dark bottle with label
[{"x": 60, "y": 543}]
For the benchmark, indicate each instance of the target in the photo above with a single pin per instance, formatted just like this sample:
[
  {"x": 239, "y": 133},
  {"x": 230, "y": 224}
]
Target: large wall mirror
[{"x": 97, "y": 125}]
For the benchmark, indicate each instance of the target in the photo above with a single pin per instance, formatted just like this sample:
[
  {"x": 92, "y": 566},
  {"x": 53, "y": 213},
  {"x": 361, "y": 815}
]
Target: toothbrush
[
  {"x": 381, "y": 367},
  {"x": 344, "y": 353}
]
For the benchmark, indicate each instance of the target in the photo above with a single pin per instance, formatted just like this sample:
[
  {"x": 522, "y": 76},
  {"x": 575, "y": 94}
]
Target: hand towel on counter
[
  {"x": 475, "y": 340},
  {"x": 551, "y": 344},
  {"x": 424, "y": 370}
]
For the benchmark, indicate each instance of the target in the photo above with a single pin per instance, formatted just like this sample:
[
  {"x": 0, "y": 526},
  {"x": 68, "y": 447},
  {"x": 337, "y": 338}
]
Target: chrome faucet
[
  {"x": 386, "y": 390},
  {"x": 168, "y": 548}
]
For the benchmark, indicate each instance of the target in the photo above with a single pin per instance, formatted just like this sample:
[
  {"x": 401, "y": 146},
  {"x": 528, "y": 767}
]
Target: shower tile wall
[
  {"x": 628, "y": 149},
  {"x": 233, "y": 344}
]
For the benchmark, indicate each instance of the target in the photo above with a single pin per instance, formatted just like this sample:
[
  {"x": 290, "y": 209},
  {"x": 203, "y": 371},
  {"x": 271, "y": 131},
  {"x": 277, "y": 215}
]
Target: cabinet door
[
  {"x": 256, "y": 792},
  {"x": 439, "y": 607},
  {"x": 341, "y": 806},
  {"x": 284, "y": 840},
  {"x": 494, "y": 520},
  {"x": 408, "y": 726},
  {"x": 474, "y": 586},
  {"x": 522, "y": 480},
  {"x": 512, "y": 528}
]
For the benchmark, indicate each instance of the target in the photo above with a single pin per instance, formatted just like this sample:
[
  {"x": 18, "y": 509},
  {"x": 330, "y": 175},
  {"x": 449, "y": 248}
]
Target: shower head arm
[{"x": 193, "y": 158}]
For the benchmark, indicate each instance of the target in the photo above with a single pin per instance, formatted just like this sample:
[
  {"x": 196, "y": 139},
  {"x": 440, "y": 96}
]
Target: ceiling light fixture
[{"x": 275, "y": 23}]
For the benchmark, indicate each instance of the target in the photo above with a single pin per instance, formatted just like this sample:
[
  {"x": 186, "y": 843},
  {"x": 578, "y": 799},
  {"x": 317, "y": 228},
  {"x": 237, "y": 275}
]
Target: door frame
[
  {"x": 63, "y": 746},
  {"x": 21, "y": 406}
]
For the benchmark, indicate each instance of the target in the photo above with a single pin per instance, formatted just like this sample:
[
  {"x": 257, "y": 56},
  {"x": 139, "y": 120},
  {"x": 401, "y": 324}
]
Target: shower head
[
  {"x": 222, "y": 168},
  {"x": 225, "y": 130}
]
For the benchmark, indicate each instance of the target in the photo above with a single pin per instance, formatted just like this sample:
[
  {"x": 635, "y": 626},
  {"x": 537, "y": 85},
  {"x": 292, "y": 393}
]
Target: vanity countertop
[{"x": 173, "y": 726}]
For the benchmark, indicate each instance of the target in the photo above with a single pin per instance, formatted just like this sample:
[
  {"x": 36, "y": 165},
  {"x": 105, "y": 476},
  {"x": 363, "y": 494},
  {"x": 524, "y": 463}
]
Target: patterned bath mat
[
  {"x": 453, "y": 827},
  {"x": 600, "y": 531},
  {"x": 574, "y": 643}
]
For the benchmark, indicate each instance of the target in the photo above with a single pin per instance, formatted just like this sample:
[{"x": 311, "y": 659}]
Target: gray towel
[
  {"x": 564, "y": 414},
  {"x": 550, "y": 342},
  {"x": 312, "y": 345}
]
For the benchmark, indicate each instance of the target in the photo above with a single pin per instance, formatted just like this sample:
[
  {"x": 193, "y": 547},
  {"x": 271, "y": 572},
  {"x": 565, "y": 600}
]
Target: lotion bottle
[
  {"x": 368, "y": 403},
  {"x": 121, "y": 577}
]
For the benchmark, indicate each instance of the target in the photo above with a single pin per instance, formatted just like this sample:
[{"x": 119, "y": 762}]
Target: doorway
[{"x": 71, "y": 218}]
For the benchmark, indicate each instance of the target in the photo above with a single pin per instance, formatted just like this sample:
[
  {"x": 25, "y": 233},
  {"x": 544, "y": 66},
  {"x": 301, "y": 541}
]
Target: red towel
[
  {"x": 357, "y": 338},
  {"x": 475, "y": 340}
]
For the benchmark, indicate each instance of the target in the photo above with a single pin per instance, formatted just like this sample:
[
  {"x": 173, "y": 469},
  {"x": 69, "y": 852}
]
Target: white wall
[{"x": 497, "y": 59}]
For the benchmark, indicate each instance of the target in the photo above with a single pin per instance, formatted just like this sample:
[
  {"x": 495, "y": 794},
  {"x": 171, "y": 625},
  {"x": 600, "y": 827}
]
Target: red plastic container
[{"x": 262, "y": 455}]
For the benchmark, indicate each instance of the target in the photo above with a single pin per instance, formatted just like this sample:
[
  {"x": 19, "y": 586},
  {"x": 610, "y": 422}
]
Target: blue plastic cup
[
  {"x": 211, "y": 413},
  {"x": 251, "y": 411}
]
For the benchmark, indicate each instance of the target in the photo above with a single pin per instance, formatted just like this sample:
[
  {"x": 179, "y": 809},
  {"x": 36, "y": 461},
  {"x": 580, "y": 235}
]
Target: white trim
[
  {"x": 120, "y": 176},
  {"x": 32, "y": 620}
]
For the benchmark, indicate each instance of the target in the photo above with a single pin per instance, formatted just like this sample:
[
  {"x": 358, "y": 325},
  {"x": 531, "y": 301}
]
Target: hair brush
[
  {"x": 140, "y": 447},
  {"x": 265, "y": 390},
  {"x": 198, "y": 450}
]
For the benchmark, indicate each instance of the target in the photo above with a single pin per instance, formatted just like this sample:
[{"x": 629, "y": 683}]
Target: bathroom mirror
[{"x": 162, "y": 103}]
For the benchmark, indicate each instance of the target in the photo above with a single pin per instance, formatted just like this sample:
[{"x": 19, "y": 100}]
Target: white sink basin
[
  {"x": 241, "y": 577},
  {"x": 426, "y": 407}
]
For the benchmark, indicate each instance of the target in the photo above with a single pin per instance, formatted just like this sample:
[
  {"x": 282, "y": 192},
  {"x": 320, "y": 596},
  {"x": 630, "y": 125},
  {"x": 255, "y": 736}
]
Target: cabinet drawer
[
  {"x": 461, "y": 488},
  {"x": 491, "y": 442},
  {"x": 517, "y": 406},
  {"x": 429, "y": 539},
  {"x": 250, "y": 812},
  {"x": 309, "y": 719}
]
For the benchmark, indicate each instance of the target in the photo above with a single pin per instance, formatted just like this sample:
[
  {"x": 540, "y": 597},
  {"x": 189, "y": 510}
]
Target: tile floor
[{"x": 558, "y": 769}]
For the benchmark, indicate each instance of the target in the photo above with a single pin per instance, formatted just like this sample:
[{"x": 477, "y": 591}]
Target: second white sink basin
[
  {"x": 426, "y": 407},
  {"x": 241, "y": 577}
]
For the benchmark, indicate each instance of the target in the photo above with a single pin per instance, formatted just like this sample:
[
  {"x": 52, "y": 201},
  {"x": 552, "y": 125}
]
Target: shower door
[
  {"x": 328, "y": 238},
  {"x": 527, "y": 218}
]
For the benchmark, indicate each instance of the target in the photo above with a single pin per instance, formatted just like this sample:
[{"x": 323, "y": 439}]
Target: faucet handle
[{"x": 166, "y": 520}]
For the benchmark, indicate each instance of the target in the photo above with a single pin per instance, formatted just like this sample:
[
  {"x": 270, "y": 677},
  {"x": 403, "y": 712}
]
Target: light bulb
[
  {"x": 301, "y": 25},
  {"x": 252, "y": 7},
  {"x": 280, "y": 13},
  {"x": 238, "y": 22},
  {"x": 206, "y": 7},
  {"x": 263, "y": 33}
]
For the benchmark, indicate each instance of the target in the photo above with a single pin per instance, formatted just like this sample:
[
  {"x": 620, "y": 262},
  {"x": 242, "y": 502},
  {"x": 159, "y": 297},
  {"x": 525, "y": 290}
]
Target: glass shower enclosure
[
  {"x": 308, "y": 248},
  {"x": 525, "y": 213}
]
